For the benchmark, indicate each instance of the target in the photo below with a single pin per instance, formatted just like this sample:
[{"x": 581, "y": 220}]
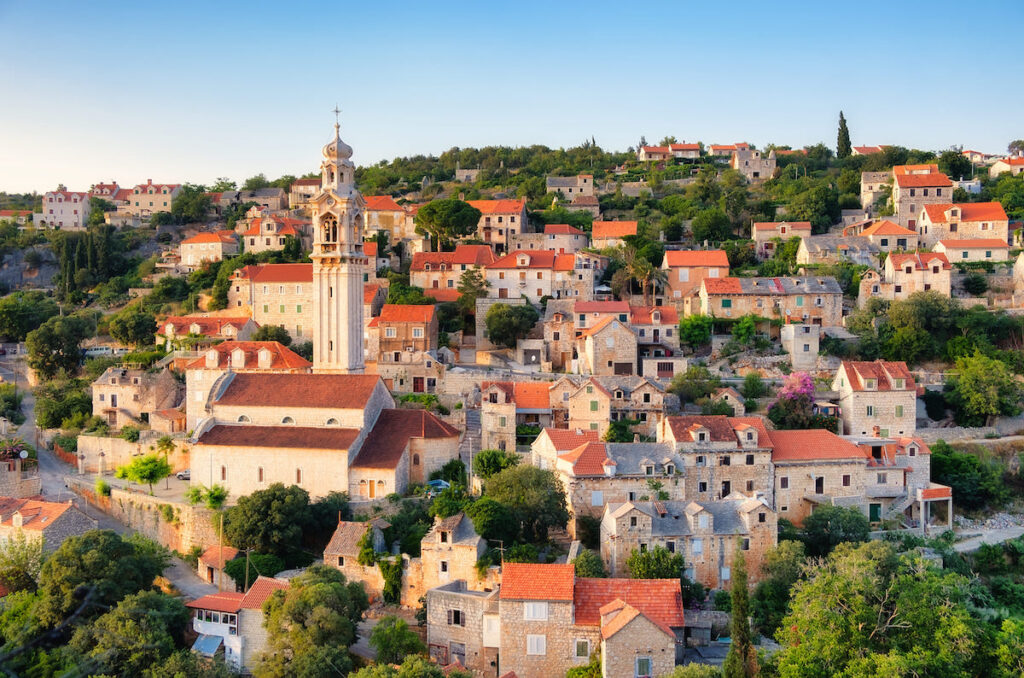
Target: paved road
[
  {"x": 994, "y": 536},
  {"x": 54, "y": 488}
]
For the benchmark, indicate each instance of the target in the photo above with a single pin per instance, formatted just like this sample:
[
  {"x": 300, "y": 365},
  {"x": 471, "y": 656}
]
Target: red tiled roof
[
  {"x": 657, "y": 599},
  {"x": 719, "y": 426},
  {"x": 642, "y": 315},
  {"x": 443, "y": 294},
  {"x": 775, "y": 225},
  {"x": 536, "y": 259},
  {"x": 328, "y": 391},
  {"x": 1012, "y": 162},
  {"x": 684, "y": 147},
  {"x": 867, "y": 150},
  {"x": 763, "y": 437},
  {"x": 886, "y": 227},
  {"x": 381, "y": 203},
  {"x": 920, "y": 169},
  {"x": 307, "y": 182},
  {"x": 813, "y": 444},
  {"x": 15, "y": 213},
  {"x": 225, "y": 601},
  {"x": 220, "y": 236},
  {"x": 532, "y": 395},
  {"x": 613, "y": 229},
  {"x": 979, "y": 243},
  {"x": 284, "y": 226},
  {"x": 879, "y": 370},
  {"x": 655, "y": 149},
  {"x": 260, "y": 591},
  {"x": 565, "y": 439},
  {"x": 601, "y": 307},
  {"x": 217, "y": 556},
  {"x": 36, "y": 515},
  {"x": 499, "y": 206},
  {"x": 588, "y": 459},
  {"x": 370, "y": 292},
  {"x": 723, "y": 286},
  {"x": 969, "y": 211},
  {"x": 370, "y": 248},
  {"x": 391, "y": 433},
  {"x": 285, "y": 436},
  {"x": 144, "y": 188},
  {"x": 561, "y": 229},
  {"x": 282, "y": 357},
  {"x": 406, "y": 313},
  {"x": 598, "y": 326},
  {"x": 475, "y": 255},
  {"x": 928, "y": 180},
  {"x": 920, "y": 260},
  {"x": 535, "y": 581},
  {"x": 691, "y": 258},
  {"x": 277, "y": 273},
  {"x": 209, "y": 326}
]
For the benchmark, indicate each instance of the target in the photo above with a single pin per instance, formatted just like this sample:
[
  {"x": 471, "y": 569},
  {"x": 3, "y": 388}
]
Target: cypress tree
[
  {"x": 741, "y": 662},
  {"x": 843, "y": 147}
]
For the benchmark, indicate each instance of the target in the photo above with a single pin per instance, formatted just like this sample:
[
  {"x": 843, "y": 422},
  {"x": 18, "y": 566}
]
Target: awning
[{"x": 207, "y": 645}]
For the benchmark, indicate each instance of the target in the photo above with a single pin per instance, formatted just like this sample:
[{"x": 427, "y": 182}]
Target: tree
[
  {"x": 781, "y": 568},
  {"x": 870, "y": 611},
  {"x": 393, "y": 640},
  {"x": 693, "y": 384},
  {"x": 982, "y": 389},
  {"x": 843, "y": 148},
  {"x": 413, "y": 666},
  {"x": 741, "y": 662},
  {"x": 270, "y": 521},
  {"x": 258, "y": 564},
  {"x": 273, "y": 333},
  {"x": 95, "y": 570},
  {"x": 472, "y": 286},
  {"x": 591, "y": 669},
  {"x": 830, "y": 526},
  {"x": 187, "y": 664},
  {"x": 655, "y": 563},
  {"x": 744, "y": 329},
  {"x": 148, "y": 470},
  {"x": 311, "y": 625},
  {"x": 975, "y": 284},
  {"x": 142, "y": 630},
  {"x": 589, "y": 564},
  {"x": 488, "y": 462},
  {"x": 955, "y": 165},
  {"x": 56, "y": 345},
  {"x": 447, "y": 220},
  {"x": 21, "y": 559},
  {"x": 22, "y": 312},
  {"x": 493, "y": 520},
  {"x": 978, "y": 483},
  {"x": 507, "y": 324},
  {"x": 753, "y": 386},
  {"x": 191, "y": 204},
  {"x": 1015, "y": 147},
  {"x": 1010, "y": 648},
  {"x": 712, "y": 225},
  {"x": 695, "y": 330},
  {"x": 133, "y": 326},
  {"x": 620, "y": 431},
  {"x": 449, "y": 502},
  {"x": 223, "y": 184},
  {"x": 256, "y": 183},
  {"x": 534, "y": 496}
]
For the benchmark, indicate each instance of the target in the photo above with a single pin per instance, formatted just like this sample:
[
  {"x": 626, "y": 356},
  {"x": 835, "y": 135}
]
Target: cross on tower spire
[{"x": 337, "y": 114}]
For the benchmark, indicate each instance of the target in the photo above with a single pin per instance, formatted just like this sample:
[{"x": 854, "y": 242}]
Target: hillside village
[{"x": 521, "y": 412}]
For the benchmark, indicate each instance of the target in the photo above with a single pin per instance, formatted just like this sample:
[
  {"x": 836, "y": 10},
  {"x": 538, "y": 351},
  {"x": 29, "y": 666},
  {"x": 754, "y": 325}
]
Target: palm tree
[{"x": 165, "y": 445}]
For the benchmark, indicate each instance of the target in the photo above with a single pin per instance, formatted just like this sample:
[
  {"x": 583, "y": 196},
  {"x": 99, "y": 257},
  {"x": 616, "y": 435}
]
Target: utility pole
[
  {"x": 246, "y": 587},
  {"x": 220, "y": 578}
]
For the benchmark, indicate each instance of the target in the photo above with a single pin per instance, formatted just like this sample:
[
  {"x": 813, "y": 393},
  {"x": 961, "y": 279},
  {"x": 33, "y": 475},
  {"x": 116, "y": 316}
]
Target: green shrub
[
  {"x": 102, "y": 487},
  {"x": 130, "y": 433},
  {"x": 723, "y": 601}
]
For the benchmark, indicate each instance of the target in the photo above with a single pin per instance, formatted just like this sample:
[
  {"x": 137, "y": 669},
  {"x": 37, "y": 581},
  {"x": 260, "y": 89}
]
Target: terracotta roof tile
[
  {"x": 969, "y": 211},
  {"x": 922, "y": 180},
  {"x": 275, "y": 273},
  {"x": 381, "y": 203},
  {"x": 774, "y": 226},
  {"x": 719, "y": 426},
  {"x": 657, "y": 599},
  {"x": 475, "y": 255},
  {"x": 370, "y": 248},
  {"x": 723, "y": 285},
  {"x": 535, "y": 581},
  {"x": 535, "y": 259},
  {"x": 979, "y": 243},
  {"x": 225, "y": 601},
  {"x": 218, "y": 237},
  {"x": 282, "y": 357},
  {"x": 532, "y": 395},
  {"x": 601, "y": 307},
  {"x": 287, "y": 437},
  {"x": 920, "y": 260},
  {"x": 886, "y": 227},
  {"x": 370, "y": 292},
  {"x": 36, "y": 515},
  {"x": 260, "y": 591},
  {"x": 613, "y": 229},
  {"x": 561, "y": 229},
  {"x": 588, "y": 459},
  {"x": 564, "y": 439},
  {"x": 811, "y": 445},
  {"x": 881, "y": 371},
  {"x": 692, "y": 258},
  {"x": 406, "y": 313},
  {"x": 391, "y": 433},
  {"x": 217, "y": 556},
  {"x": 499, "y": 206},
  {"x": 335, "y": 391},
  {"x": 209, "y": 326},
  {"x": 643, "y": 315}
]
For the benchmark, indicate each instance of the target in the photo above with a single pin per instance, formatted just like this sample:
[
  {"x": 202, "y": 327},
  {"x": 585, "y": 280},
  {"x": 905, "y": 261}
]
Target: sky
[{"x": 191, "y": 91}]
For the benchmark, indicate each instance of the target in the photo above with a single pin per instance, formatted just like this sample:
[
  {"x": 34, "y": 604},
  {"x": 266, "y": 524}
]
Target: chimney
[{"x": 876, "y": 431}]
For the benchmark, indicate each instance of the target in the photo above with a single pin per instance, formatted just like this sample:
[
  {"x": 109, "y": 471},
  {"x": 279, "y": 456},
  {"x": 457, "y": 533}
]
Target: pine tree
[
  {"x": 843, "y": 147},
  {"x": 741, "y": 662}
]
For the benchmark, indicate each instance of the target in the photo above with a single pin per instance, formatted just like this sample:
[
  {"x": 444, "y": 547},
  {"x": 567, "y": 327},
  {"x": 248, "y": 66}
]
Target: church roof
[
  {"x": 328, "y": 391},
  {"x": 391, "y": 433},
  {"x": 288, "y": 437}
]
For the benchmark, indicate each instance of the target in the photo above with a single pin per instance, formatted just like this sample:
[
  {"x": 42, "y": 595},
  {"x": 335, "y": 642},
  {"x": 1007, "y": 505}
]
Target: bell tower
[{"x": 338, "y": 263}]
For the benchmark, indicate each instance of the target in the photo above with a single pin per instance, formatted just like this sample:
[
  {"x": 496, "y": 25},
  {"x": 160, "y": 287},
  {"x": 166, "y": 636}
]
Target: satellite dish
[{"x": 24, "y": 454}]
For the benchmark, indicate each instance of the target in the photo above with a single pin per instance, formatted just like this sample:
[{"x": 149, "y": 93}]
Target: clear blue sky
[{"x": 189, "y": 91}]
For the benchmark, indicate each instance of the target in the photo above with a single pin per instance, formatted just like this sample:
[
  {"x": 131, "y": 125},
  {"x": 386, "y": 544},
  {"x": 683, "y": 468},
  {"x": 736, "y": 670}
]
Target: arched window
[
  {"x": 244, "y": 419},
  {"x": 332, "y": 422},
  {"x": 415, "y": 460},
  {"x": 287, "y": 420},
  {"x": 223, "y": 472},
  {"x": 298, "y": 476},
  {"x": 259, "y": 474}
]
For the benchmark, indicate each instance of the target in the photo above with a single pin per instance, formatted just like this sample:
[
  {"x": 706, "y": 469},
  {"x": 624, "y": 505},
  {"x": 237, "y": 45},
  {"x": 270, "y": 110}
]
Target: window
[
  {"x": 644, "y": 667},
  {"x": 846, "y": 480},
  {"x": 341, "y": 561},
  {"x": 536, "y": 644},
  {"x": 597, "y": 498},
  {"x": 444, "y": 565},
  {"x": 670, "y": 469},
  {"x": 259, "y": 474},
  {"x": 456, "y": 618},
  {"x": 535, "y": 611},
  {"x": 700, "y": 460},
  {"x": 784, "y": 483},
  {"x": 593, "y": 406},
  {"x": 298, "y": 476},
  {"x": 223, "y": 472},
  {"x": 298, "y": 308},
  {"x": 632, "y": 521},
  {"x": 582, "y": 648},
  {"x": 871, "y": 410},
  {"x": 502, "y": 422},
  {"x": 762, "y": 517},
  {"x": 287, "y": 420},
  {"x": 417, "y": 332},
  {"x": 899, "y": 410},
  {"x": 702, "y": 487},
  {"x": 725, "y": 573},
  {"x": 882, "y": 478},
  {"x": 671, "y": 546},
  {"x": 649, "y": 470},
  {"x": 750, "y": 460},
  {"x": 724, "y": 460},
  {"x": 697, "y": 547},
  {"x": 745, "y": 544},
  {"x": 726, "y": 303},
  {"x": 390, "y": 332}
]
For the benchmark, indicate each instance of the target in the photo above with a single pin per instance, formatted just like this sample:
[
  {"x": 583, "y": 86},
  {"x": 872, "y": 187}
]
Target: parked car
[
  {"x": 184, "y": 475},
  {"x": 436, "y": 487}
]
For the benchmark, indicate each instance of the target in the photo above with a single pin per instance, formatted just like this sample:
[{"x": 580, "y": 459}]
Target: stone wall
[
  {"x": 17, "y": 482},
  {"x": 101, "y": 454}
]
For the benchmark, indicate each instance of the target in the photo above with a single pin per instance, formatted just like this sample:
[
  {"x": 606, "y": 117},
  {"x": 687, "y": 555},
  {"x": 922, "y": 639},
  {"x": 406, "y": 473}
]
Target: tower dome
[{"x": 337, "y": 150}]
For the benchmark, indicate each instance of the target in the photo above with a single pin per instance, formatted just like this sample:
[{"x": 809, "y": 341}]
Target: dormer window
[
  {"x": 750, "y": 435},
  {"x": 649, "y": 470},
  {"x": 702, "y": 437},
  {"x": 444, "y": 537},
  {"x": 869, "y": 384},
  {"x": 670, "y": 469},
  {"x": 618, "y": 394},
  {"x": 656, "y": 317},
  {"x": 897, "y": 383}
]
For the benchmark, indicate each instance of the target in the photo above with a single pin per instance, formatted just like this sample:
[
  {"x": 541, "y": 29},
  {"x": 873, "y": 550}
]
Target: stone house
[
  {"x": 46, "y": 521},
  {"x": 234, "y": 620},
  {"x": 553, "y": 442},
  {"x": 1013, "y": 166},
  {"x": 463, "y": 626},
  {"x": 561, "y": 238},
  {"x": 384, "y": 214},
  {"x": 832, "y": 249},
  {"x": 754, "y": 165},
  {"x": 439, "y": 273},
  {"x": 276, "y": 294},
  {"x": 656, "y": 328},
  {"x": 603, "y": 399},
  {"x": 987, "y": 249},
  {"x": 818, "y": 300},
  {"x": 905, "y": 274},
  {"x": 450, "y": 551},
  {"x": 342, "y": 552},
  {"x": 607, "y": 348},
  {"x": 197, "y": 250},
  {"x": 726, "y": 150},
  {"x": 685, "y": 151},
  {"x": 732, "y": 398},
  {"x": 212, "y": 328},
  {"x": 148, "y": 198},
  {"x": 962, "y": 221},
  {"x": 64, "y": 209},
  {"x": 721, "y": 455},
  {"x": 124, "y": 396},
  {"x": 587, "y": 314},
  {"x": 323, "y": 432},
  {"x": 605, "y": 234},
  {"x": 873, "y": 185},
  {"x": 403, "y": 329},
  {"x": 915, "y": 186},
  {"x": 764, "y": 233},
  {"x": 237, "y": 356},
  {"x": 890, "y": 237},
  {"x": 801, "y": 341},
  {"x": 271, "y": 197},
  {"x": 534, "y": 274},
  {"x": 302, "y": 191},
  {"x": 559, "y": 334},
  {"x": 268, "y": 233},
  {"x": 570, "y": 187},
  {"x": 653, "y": 153},
  {"x": 706, "y": 533},
  {"x": 506, "y": 405},
  {"x": 586, "y": 203},
  {"x": 499, "y": 221},
  {"x": 685, "y": 270},
  {"x": 877, "y": 395},
  {"x": 210, "y": 566}
]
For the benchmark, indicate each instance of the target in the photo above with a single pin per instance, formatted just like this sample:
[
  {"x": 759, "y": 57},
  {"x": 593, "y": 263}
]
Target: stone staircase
[{"x": 470, "y": 443}]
